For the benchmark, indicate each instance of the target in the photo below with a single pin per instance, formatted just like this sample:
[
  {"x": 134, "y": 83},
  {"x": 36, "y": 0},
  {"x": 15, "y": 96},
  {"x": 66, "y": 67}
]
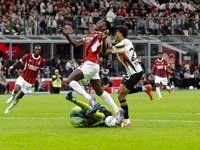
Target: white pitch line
[
  {"x": 139, "y": 120},
  {"x": 34, "y": 118},
  {"x": 169, "y": 113}
]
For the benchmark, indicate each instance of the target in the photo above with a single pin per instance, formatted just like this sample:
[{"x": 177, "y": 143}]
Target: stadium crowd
[{"x": 158, "y": 17}]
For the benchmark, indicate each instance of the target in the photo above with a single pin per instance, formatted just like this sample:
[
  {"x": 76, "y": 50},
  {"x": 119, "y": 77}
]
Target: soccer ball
[
  {"x": 191, "y": 88},
  {"x": 110, "y": 121}
]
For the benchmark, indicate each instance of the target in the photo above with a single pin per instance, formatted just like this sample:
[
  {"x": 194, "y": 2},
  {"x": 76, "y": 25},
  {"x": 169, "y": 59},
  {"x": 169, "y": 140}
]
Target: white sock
[
  {"x": 13, "y": 103},
  {"x": 76, "y": 86},
  {"x": 158, "y": 91},
  {"x": 127, "y": 121},
  {"x": 143, "y": 88},
  {"x": 168, "y": 88},
  {"x": 107, "y": 98}
]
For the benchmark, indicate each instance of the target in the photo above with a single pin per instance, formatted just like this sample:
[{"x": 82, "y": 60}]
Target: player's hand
[
  {"x": 63, "y": 31},
  {"x": 105, "y": 34}
]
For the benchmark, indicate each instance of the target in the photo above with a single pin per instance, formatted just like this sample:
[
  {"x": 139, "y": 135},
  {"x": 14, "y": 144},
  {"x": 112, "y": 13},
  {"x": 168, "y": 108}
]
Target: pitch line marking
[{"x": 195, "y": 121}]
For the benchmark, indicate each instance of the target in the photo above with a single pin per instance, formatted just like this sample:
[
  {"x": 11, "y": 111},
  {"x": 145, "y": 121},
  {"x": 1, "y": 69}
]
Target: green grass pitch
[{"x": 42, "y": 122}]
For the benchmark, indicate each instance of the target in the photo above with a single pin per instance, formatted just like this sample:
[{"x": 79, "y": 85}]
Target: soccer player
[
  {"x": 80, "y": 118},
  {"x": 127, "y": 56},
  {"x": 162, "y": 68},
  {"x": 92, "y": 45},
  {"x": 34, "y": 63}
]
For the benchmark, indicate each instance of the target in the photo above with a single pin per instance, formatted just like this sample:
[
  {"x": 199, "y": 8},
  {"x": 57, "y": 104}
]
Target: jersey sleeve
[
  {"x": 24, "y": 58},
  {"x": 42, "y": 64},
  {"x": 118, "y": 48}
]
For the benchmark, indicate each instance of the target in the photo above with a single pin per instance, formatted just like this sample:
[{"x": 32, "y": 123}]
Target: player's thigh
[
  {"x": 76, "y": 75},
  {"x": 120, "y": 88},
  {"x": 123, "y": 92},
  {"x": 96, "y": 84}
]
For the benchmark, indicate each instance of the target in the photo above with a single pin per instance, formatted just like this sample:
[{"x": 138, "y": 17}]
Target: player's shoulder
[{"x": 127, "y": 42}]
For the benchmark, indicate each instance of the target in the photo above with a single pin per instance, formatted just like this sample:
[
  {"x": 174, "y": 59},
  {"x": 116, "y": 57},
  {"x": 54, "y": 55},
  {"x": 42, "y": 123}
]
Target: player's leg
[
  {"x": 165, "y": 81},
  {"x": 15, "y": 102},
  {"x": 72, "y": 82},
  {"x": 157, "y": 83},
  {"x": 85, "y": 107},
  {"x": 96, "y": 84},
  {"x": 14, "y": 93},
  {"x": 123, "y": 91}
]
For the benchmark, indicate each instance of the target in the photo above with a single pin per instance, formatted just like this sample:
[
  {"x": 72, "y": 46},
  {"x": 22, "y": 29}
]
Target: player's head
[
  {"x": 160, "y": 55},
  {"x": 37, "y": 50},
  {"x": 102, "y": 25},
  {"x": 121, "y": 32}
]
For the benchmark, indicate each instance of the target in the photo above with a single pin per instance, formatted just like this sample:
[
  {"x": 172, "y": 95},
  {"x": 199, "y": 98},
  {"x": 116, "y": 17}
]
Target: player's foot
[
  {"x": 127, "y": 124},
  {"x": 159, "y": 98},
  {"x": 94, "y": 109},
  {"x": 69, "y": 97},
  {"x": 169, "y": 90},
  {"x": 120, "y": 116},
  {"x": 7, "y": 111},
  {"x": 92, "y": 101},
  {"x": 148, "y": 88},
  {"x": 9, "y": 100}
]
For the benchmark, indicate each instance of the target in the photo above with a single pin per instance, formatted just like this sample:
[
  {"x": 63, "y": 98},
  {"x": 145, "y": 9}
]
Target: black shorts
[{"x": 130, "y": 81}]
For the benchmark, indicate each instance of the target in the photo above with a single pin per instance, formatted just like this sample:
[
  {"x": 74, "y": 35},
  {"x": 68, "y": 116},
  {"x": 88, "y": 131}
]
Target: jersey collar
[
  {"x": 34, "y": 57},
  {"x": 160, "y": 60}
]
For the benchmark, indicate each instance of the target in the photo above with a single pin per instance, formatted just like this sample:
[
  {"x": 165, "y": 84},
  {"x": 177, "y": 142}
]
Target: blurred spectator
[
  {"x": 43, "y": 26},
  {"x": 3, "y": 84},
  {"x": 42, "y": 7},
  {"x": 2, "y": 28},
  {"x": 71, "y": 69},
  {"x": 59, "y": 67},
  {"x": 52, "y": 25},
  {"x": 142, "y": 27},
  {"x": 18, "y": 69},
  {"x": 177, "y": 27},
  {"x": 47, "y": 72},
  {"x": 39, "y": 85},
  {"x": 17, "y": 25},
  {"x": 49, "y": 7},
  {"x": 5, "y": 23},
  {"x": 75, "y": 63},
  {"x": 196, "y": 78},
  {"x": 60, "y": 22},
  {"x": 41, "y": 17},
  {"x": 34, "y": 10},
  {"x": 56, "y": 82},
  {"x": 68, "y": 64},
  {"x": 31, "y": 26},
  {"x": 188, "y": 78},
  {"x": 110, "y": 16}
]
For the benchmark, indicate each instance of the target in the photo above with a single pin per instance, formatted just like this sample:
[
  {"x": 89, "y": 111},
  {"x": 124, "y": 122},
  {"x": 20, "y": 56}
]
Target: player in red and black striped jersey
[
  {"x": 92, "y": 45},
  {"x": 33, "y": 63},
  {"x": 162, "y": 67}
]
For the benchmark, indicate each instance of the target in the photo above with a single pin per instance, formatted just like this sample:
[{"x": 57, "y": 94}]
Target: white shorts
[
  {"x": 90, "y": 70},
  {"x": 160, "y": 80},
  {"x": 25, "y": 86}
]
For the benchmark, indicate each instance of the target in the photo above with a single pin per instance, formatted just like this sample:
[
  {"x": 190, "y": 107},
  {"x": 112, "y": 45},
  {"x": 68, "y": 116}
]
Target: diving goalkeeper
[{"x": 79, "y": 116}]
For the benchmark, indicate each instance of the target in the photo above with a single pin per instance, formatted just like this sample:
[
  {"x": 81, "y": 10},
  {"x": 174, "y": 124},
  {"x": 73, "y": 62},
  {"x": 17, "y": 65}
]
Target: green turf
[{"x": 42, "y": 122}]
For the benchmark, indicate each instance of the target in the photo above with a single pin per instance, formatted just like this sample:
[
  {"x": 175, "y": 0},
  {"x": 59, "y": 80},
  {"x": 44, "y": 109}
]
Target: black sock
[
  {"x": 135, "y": 90},
  {"x": 124, "y": 106}
]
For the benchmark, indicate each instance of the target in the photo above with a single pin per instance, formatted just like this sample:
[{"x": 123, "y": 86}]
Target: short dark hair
[
  {"x": 108, "y": 26},
  {"x": 123, "y": 30},
  {"x": 160, "y": 53}
]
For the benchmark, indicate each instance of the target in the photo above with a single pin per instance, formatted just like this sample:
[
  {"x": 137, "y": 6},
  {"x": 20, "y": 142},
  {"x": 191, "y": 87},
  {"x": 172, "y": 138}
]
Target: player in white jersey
[{"x": 126, "y": 54}]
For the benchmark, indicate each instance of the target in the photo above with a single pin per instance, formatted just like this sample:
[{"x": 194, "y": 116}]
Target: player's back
[
  {"x": 127, "y": 55},
  {"x": 92, "y": 46}
]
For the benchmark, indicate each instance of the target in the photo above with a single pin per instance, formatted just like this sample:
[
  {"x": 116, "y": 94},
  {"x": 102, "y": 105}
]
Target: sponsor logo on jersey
[{"x": 31, "y": 67}]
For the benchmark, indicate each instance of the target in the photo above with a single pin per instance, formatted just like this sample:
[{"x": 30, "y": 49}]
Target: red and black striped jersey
[
  {"x": 31, "y": 68},
  {"x": 161, "y": 66},
  {"x": 92, "y": 47}
]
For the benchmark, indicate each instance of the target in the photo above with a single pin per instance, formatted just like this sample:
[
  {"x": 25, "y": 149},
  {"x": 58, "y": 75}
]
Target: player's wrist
[{"x": 42, "y": 79}]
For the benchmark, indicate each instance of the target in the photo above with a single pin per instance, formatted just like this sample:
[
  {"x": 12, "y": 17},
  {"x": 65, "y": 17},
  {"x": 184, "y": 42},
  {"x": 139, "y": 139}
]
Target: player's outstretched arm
[
  {"x": 14, "y": 65},
  {"x": 72, "y": 41}
]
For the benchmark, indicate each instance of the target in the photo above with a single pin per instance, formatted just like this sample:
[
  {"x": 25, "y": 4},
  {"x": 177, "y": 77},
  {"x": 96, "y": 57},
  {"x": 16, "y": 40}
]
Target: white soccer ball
[
  {"x": 191, "y": 88},
  {"x": 110, "y": 121}
]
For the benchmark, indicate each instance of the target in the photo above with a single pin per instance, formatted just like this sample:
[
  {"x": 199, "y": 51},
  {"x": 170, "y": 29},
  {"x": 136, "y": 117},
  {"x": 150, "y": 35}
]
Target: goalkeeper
[{"x": 79, "y": 116}]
